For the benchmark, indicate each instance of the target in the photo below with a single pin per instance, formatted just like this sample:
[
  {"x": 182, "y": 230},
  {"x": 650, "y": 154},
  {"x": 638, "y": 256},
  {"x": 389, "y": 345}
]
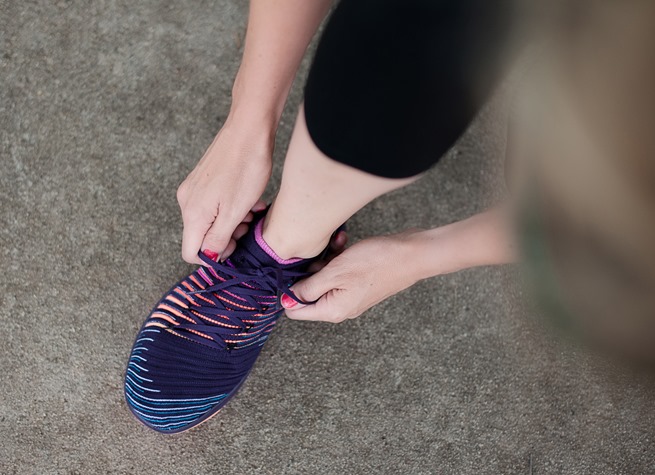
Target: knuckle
[
  {"x": 306, "y": 290},
  {"x": 337, "y": 316},
  {"x": 196, "y": 214},
  {"x": 301, "y": 294},
  {"x": 188, "y": 256},
  {"x": 181, "y": 192},
  {"x": 341, "y": 313},
  {"x": 335, "y": 319},
  {"x": 216, "y": 236},
  {"x": 230, "y": 215}
]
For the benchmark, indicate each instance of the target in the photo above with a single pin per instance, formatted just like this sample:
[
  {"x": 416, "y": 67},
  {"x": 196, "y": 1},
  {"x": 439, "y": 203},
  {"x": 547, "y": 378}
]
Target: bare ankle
[{"x": 287, "y": 248}]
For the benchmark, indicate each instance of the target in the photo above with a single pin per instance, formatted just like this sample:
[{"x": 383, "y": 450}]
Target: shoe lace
[{"x": 217, "y": 317}]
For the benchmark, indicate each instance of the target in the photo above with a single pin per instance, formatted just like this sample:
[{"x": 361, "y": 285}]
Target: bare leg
[{"x": 316, "y": 196}]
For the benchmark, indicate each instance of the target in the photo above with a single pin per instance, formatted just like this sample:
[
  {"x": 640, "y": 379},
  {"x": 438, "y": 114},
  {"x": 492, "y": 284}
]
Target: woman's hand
[
  {"x": 355, "y": 280},
  {"x": 217, "y": 197},
  {"x": 376, "y": 268}
]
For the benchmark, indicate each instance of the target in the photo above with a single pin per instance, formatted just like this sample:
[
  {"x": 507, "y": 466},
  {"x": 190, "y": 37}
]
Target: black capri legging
[{"x": 394, "y": 83}]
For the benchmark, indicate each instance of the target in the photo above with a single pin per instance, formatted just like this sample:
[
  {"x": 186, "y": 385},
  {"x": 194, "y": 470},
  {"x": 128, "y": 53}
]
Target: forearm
[
  {"x": 276, "y": 39},
  {"x": 373, "y": 269},
  {"x": 484, "y": 239}
]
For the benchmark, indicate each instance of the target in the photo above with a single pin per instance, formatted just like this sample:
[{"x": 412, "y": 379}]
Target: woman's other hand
[{"x": 219, "y": 195}]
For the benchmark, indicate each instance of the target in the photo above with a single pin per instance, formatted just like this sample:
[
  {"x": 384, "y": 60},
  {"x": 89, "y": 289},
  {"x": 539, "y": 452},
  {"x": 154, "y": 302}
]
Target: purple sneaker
[{"x": 201, "y": 340}]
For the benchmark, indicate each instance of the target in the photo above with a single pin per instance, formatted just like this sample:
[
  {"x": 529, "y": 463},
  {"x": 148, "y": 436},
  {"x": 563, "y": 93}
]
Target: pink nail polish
[
  {"x": 288, "y": 302},
  {"x": 211, "y": 254}
]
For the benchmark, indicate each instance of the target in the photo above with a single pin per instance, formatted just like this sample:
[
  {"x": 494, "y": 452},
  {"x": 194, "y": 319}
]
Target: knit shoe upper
[{"x": 201, "y": 340}]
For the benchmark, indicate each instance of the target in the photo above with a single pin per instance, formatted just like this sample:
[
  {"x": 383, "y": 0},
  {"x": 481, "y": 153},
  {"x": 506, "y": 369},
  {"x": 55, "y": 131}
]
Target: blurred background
[
  {"x": 582, "y": 148},
  {"x": 104, "y": 109}
]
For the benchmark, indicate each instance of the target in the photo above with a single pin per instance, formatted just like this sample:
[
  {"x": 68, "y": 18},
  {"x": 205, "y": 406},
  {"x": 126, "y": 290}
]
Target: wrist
[
  {"x": 249, "y": 116},
  {"x": 249, "y": 128},
  {"x": 434, "y": 252},
  {"x": 410, "y": 250},
  {"x": 248, "y": 119},
  {"x": 249, "y": 143},
  {"x": 481, "y": 240},
  {"x": 257, "y": 103}
]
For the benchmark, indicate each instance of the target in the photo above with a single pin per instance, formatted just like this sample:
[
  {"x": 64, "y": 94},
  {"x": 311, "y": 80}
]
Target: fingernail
[
  {"x": 288, "y": 302},
  {"x": 211, "y": 254}
]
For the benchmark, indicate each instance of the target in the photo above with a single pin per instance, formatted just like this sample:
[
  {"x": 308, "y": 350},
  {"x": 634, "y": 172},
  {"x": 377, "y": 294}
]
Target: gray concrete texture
[{"x": 105, "y": 106}]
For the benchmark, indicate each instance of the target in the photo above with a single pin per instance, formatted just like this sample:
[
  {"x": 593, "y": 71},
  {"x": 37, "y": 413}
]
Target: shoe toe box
[{"x": 173, "y": 384}]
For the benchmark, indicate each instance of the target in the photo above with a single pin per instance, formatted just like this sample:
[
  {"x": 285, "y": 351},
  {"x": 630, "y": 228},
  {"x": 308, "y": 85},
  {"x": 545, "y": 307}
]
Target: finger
[
  {"x": 232, "y": 245},
  {"x": 260, "y": 205},
  {"x": 321, "y": 311},
  {"x": 338, "y": 243},
  {"x": 317, "y": 266},
  {"x": 336, "y": 247},
  {"x": 195, "y": 227},
  {"x": 218, "y": 236},
  {"x": 240, "y": 231},
  {"x": 249, "y": 217},
  {"x": 309, "y": 289}
]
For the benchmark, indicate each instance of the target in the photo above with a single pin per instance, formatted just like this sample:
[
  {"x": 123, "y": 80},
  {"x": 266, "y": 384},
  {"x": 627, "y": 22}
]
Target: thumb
[
  {"x": 218, "y": 237},
  {"x": 308, "y": 290},
  {"x": 321, "y": 310}
]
